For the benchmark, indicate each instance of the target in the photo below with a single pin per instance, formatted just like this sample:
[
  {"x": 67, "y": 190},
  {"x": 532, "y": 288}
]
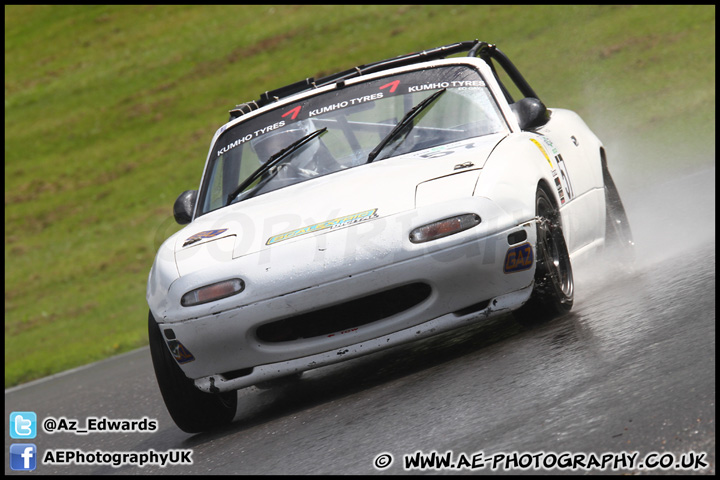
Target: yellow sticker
[
  {"x": 542, "y": 149},
  {"x": 329, "y": 224}
]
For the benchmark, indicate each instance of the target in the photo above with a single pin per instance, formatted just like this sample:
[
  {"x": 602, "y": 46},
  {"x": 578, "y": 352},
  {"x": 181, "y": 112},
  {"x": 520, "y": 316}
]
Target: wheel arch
[{"x": 545, "y": 186}]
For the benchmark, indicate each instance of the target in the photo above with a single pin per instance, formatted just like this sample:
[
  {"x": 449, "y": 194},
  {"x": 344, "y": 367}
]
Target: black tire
[
  {"x": 192, "y": 409},
  {"x": 618, "y": 236},
  {"x": 554, "y": 290}
]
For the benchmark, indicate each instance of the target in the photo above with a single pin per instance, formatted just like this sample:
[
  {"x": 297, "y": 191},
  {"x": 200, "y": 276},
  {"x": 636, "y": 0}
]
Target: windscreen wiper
[
  {"x": 404, "y": 122},
  {"x": 275, "y": 159}
]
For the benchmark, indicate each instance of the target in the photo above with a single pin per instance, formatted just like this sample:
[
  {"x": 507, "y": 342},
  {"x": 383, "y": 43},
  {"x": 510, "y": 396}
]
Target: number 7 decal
[{"x": 564, "y": 175}]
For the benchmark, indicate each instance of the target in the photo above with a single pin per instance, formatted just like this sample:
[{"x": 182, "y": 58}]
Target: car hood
[{"x": 339, "y": 200}]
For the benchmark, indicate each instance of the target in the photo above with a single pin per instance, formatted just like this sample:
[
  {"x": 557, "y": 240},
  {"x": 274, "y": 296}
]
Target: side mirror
[
  {"x": 531, "y": 113},
  {"x": 184, "y": 206}
]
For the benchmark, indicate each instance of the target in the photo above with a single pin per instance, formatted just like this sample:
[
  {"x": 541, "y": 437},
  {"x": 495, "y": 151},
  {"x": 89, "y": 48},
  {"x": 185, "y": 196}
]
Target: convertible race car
[{"x": 383, "y": 204}]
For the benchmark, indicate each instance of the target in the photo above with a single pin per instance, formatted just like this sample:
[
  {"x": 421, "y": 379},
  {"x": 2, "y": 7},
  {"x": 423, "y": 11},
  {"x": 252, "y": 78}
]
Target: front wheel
[
  {"x": 554, "y": 290},
  {"x": 192, "y": 410}
]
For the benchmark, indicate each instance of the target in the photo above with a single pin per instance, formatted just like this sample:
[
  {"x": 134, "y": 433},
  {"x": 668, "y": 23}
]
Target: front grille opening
[{"x": 346, "y": 315}]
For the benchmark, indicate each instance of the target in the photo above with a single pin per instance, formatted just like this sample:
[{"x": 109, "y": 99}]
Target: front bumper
[
  {"x": 303, "y": 275},
  {"x": 262, "y": 373}
]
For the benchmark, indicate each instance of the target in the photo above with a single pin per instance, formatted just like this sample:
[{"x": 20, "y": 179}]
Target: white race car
[{"x": 383, "y": 204}]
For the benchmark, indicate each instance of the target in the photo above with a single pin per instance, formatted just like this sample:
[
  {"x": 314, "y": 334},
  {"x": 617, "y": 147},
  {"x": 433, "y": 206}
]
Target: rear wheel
[
  {"x": 618, "y": 236},
  {"x": 192, "y": 410},
  {"x": 554, "y": 289}
]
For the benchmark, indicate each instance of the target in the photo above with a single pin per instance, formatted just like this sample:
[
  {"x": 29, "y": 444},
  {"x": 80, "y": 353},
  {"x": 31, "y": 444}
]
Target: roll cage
[{"x": 483, "y": 50}]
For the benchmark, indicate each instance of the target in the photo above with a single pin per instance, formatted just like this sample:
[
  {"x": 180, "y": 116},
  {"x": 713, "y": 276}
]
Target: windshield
[{"x": 357, "y": 118}]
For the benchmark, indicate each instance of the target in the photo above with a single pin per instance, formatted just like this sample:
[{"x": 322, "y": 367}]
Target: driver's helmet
[{"x": 272, "y": 142}]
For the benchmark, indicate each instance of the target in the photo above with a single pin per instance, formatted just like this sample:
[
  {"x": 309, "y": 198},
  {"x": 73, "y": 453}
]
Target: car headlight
[
  {"x": 213, "y": 292},
  {"x": 443, "y": 228}
]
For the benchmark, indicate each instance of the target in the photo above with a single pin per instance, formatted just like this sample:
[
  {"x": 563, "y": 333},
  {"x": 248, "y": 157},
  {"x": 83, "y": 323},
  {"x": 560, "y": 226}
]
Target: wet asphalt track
[{"x": 631, "y": 369}]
